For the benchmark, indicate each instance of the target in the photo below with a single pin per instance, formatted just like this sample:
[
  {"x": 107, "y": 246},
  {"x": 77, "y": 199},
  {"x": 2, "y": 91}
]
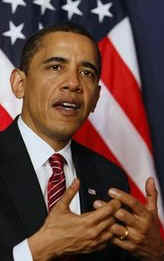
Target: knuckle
[
  {"x": 120, "y": 214},
  {"x": 115, "y": 203}
]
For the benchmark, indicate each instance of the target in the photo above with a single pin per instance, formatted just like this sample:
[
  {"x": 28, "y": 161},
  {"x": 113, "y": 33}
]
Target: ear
[
  {"x": 17, "y": 80},
  {"x": 97, "y": 95}
]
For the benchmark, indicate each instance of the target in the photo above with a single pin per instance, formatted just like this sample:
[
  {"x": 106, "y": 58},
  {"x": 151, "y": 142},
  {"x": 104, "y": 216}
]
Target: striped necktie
[
  {"x": 57, "y": 187},
  {"x": 56, "y": 183}
]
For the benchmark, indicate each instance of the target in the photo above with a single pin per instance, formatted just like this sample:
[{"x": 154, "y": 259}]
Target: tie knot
[
  {"x": 56, "y": 183},
  {"x": 57, "y": 160}
]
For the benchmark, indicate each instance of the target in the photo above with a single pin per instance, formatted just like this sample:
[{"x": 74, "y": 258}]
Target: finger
[
  {"x": 98, "y": 204},
  {"x": 104, "y": 212},
  {"x": 101, "y": 232},
  {"x": 128, "y": 200},
  {"x": 105, "y": 237},
  {"x": 151, "y": 194},
  {"x": 128, "y": 218},
  {"x": 69, "y": 194},
  {"x": 133, "y": 235},
  {"x": 125, "y": 244},
  {"x": 105, "y": 225},
  {"x": 107, "y": 209},
  {"x": 140, "y": 223}
]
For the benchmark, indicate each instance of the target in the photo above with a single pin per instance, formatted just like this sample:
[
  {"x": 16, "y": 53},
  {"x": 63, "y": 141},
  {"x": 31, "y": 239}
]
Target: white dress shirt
[{"x": 39, "y": 152}]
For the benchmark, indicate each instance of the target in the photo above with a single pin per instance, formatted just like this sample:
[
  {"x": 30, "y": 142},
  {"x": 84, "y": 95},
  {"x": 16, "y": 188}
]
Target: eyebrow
[
  {"x": 55, "y": 59},
  {"x": 64, "y": 60}
]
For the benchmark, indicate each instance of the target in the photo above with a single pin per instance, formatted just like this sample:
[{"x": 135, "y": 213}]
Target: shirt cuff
[{"x": 22, "y": 252}]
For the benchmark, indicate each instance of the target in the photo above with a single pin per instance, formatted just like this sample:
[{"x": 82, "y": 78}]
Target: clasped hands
[{"x": 65, "y": 233}]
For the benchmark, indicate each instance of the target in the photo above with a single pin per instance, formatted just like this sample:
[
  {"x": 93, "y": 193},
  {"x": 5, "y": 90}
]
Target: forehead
[{"x": 67, "y": 44}]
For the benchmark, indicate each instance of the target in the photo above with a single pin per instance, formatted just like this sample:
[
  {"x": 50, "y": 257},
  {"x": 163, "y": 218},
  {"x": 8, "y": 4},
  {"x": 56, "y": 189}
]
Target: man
[{"x": 58, "y": 81}]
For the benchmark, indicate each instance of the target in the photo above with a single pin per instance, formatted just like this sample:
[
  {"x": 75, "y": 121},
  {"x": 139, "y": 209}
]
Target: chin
[
  {"x": 63, "y": 134},
  {"x": 65, "y": 130}
]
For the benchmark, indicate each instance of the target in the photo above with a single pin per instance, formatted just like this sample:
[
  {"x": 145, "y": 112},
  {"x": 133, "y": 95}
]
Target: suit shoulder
[
  {"x": 5, "y": 134},
  {"x": 96, "y": 160},
  {"x": 101, "y": 169},
  {"x": 92, "y": 156}
]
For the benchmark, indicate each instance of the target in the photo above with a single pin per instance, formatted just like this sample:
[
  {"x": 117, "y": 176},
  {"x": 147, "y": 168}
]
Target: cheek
[
  {"x": 91, "y": 97},
  {"x": 36, "y": 100},
  {"x": 42, "y": 90}
]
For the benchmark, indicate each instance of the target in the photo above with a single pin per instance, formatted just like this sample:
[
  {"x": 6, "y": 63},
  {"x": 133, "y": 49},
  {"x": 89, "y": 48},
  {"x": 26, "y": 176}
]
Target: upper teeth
[{"x": 69, "y": 104}]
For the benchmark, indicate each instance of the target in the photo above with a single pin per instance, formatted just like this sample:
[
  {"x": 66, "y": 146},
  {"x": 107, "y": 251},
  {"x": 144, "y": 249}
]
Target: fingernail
[
  {"x": 152, "y": 180},
  {"x": 98, "y": 204},
  {"x": 113, "y": 192}
]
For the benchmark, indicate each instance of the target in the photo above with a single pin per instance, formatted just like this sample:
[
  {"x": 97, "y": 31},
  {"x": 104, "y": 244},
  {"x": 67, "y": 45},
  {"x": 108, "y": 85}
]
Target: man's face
[{"x": 61, "y": 86}]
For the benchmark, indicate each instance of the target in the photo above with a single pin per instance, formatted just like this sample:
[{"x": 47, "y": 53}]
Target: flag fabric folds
[
  {"x": 118, "y": 129},
  {"x": 148, "y": 23}
]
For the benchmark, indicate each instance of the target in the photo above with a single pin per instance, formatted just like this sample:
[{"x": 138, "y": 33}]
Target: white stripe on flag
[
  {"x": 7, "y": 99},
  {"x": 122, "y": 38}
]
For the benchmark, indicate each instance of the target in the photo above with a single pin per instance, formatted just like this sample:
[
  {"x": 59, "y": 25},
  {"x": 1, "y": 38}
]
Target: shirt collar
[{"x": 39, "y": 151}]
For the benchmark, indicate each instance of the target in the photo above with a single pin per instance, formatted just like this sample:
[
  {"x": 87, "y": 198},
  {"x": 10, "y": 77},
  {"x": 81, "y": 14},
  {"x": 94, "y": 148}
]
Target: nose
[{"x": 73, "y": 82}]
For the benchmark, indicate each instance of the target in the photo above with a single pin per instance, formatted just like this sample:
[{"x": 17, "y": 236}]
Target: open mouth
[{"x": 67, "y": 106}]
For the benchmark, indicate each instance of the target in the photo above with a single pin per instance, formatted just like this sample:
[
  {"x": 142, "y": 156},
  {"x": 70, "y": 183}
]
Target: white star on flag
[
  {"x": 44, "y": 4},
  {"x": 14, "y": 4},
  {"x": 14, "y": 32},
  {"x": 72, "y": 8},
  {"x": 102, "y": 10}
]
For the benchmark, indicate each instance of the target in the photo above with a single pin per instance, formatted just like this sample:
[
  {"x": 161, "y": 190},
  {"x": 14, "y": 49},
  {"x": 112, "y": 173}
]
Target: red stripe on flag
[
  {"x": 120, "y": 81},
  {"x": 5, "y": 119}
]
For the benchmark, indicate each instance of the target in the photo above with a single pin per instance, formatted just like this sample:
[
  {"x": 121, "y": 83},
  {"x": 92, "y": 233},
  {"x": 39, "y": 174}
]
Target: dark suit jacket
[{"x": 22, "y": 207}]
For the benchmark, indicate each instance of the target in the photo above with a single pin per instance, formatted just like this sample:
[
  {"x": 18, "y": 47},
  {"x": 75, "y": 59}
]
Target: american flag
[{"x": 119, "y": 128}]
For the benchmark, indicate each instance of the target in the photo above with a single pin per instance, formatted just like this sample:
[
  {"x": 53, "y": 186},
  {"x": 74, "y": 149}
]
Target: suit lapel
[
  {"x": 19, "y": 176},
  {"x": 84, "y": 173}
]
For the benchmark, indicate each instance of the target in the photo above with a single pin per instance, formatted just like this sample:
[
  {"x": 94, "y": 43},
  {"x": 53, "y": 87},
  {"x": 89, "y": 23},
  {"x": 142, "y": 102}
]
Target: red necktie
[
  {"x": 56, "y": 183},
  {"x": 57, "y": 186}
]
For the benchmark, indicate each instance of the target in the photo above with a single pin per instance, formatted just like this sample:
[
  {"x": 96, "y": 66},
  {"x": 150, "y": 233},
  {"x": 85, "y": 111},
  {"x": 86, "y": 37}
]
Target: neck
[{"x": 57, "y": 142}]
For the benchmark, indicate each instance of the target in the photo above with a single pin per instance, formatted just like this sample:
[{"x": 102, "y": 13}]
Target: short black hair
[{"x": 34, "y": 43}]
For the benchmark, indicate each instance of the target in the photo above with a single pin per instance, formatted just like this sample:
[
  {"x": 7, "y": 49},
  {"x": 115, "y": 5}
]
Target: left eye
[{"x": 88, "y": 73}]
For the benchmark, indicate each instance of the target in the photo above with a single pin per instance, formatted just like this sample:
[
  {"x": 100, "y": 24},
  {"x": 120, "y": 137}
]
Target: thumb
[
  {"x": 151, "y": 194},
  {"x": 69, "y": 194}
]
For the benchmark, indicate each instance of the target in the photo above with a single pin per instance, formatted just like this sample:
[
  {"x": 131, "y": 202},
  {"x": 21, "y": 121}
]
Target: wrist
[{"x": 38, "y": 244}]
